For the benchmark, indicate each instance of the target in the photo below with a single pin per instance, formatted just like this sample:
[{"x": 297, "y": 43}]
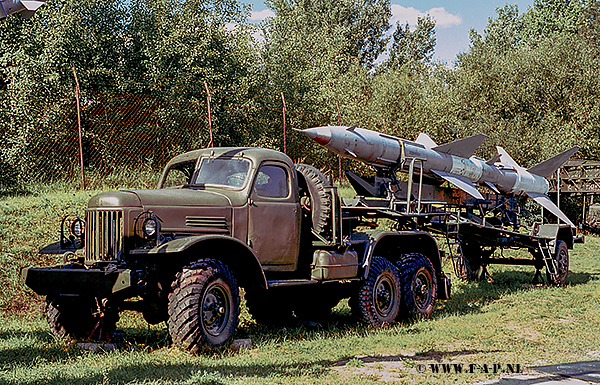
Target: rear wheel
[
  {"x": 204, "y": 306},
  {"x": 419, "y": 285},
  {"x": 378, "y": 299}
]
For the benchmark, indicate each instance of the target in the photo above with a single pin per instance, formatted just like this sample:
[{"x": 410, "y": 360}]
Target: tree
[{"x": 416, "y": 46}]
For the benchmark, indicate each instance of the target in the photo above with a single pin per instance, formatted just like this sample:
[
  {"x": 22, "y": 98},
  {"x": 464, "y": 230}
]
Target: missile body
[
  {"x": 28, "y": 7},
  {"x": 453, "y": 162}
]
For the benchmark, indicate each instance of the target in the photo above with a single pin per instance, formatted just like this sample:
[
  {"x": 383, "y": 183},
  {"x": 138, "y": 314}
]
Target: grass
[{"x": 507, "y": 321}]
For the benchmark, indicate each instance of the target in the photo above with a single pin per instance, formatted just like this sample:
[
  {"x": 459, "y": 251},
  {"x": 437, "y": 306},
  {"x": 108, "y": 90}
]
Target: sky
[{"x": 454, "y": 19}]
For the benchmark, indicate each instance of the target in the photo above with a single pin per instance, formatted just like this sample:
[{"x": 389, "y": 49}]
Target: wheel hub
[{"x": 215, "y": 310}]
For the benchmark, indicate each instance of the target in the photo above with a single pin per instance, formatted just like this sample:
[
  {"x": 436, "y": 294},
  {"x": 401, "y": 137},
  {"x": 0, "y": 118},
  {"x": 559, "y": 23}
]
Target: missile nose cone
[{"x": 321, "y": 135}]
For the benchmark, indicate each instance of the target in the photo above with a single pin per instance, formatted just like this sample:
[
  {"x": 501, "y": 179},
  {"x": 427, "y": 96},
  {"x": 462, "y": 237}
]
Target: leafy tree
[
  {"x": 310, "y": 47},
  {"x": 407, "y": 46}
]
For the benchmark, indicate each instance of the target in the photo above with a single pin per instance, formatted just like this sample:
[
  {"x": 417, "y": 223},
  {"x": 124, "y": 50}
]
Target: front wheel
[
  {"x": 204, "y": 306},
  {"x": 378, "y": 299}
]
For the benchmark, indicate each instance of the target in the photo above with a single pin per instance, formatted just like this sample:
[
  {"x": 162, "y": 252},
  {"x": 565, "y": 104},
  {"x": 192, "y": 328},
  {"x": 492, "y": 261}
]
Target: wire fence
[{"x": 130, "y": 122}]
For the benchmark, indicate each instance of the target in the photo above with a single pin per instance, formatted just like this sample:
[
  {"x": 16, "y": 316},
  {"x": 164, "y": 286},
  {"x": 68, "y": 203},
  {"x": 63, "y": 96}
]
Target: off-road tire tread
[
  {"x": 363, "y": 304},
  {"x": 408, "y": 266},
  {"x": 184, "y": 322},
  {"x": 320, "y": 200}
]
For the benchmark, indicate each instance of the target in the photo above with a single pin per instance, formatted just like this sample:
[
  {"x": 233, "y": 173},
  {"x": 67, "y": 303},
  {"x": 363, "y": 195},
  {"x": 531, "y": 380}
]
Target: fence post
[
  {"x": 79, "y": 126},
  {"x": 210, "y": 144},
  {"x": 339, "y": 122},
  {"x": 284, "y": 137}
]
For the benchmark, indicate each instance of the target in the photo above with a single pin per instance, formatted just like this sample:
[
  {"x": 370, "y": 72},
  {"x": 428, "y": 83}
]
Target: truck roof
[{"x": 254, "y": 153}]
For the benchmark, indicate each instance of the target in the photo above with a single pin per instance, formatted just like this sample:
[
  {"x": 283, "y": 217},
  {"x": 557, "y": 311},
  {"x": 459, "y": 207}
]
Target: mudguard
[{"x": 233, "y": 252}]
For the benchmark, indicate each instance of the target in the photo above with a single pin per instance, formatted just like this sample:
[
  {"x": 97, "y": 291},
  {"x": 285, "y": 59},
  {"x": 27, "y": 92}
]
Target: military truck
[{"x": 222, "y": 219}]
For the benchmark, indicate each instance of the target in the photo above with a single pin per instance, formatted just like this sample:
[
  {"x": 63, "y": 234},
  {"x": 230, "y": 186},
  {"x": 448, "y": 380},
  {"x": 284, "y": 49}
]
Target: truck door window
[
  {"x": 272, "y": 182},
  {"x": 179, "y": 174}
]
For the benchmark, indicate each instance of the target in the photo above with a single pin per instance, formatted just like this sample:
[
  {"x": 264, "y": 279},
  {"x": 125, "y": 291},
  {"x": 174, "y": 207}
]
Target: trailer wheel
[
  {"x": 204, "y": 306},
  {"x": 80, "y": 318},
  {"x": 419, "y": 285},
  {"x": 314, "y": 197},
  {"x": 561, "y": 256},
  {"x": 471, "y": 259},
  {"x": 377, "y": 302}
]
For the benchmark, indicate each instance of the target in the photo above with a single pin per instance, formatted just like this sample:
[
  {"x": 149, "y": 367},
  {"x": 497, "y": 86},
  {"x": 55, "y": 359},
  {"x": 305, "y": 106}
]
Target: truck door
[{"x": 274, "y": 218}]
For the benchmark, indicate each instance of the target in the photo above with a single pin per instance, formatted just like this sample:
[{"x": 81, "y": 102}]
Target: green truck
[{"x": 226, "y": 219}]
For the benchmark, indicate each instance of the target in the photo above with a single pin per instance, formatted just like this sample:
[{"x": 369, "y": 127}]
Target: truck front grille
[{"x": 103, "y": 235}]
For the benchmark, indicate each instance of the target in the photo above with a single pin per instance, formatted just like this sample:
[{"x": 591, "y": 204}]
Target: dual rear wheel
[{"x": 406, "y": 289}]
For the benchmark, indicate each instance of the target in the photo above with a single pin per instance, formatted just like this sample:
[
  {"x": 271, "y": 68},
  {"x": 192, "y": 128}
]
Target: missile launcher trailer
[{"x": 228, "y": 218}]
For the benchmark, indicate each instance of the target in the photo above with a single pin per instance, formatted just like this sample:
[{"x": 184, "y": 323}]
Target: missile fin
[
  {"x": 460, "y": 182},
  {"x": 505, "y": 158},
  {"x": 546, "y": 203},
  {"x": 493, "y": 160},
  {"x": 425, "y": 140},
  {"x": 492, "y": 187},
  {"x": 464, "y": 148},
  {"x": 351, "y": 153},
  {"x": 32, "y": 5},
  {"x": 352, "y": 128},
  {"x": 549, "y": 166}
]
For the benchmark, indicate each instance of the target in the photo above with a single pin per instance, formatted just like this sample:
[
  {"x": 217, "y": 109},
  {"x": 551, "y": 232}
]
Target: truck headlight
[
  {"x": 78, "y": 228},
  {"x": 150, "y": 227}
]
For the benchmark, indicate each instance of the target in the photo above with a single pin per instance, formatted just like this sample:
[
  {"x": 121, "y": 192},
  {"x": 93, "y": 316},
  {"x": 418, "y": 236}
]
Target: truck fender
[
  {"x": 231, "y": 251},
  {"x": 392, "y": 244}
]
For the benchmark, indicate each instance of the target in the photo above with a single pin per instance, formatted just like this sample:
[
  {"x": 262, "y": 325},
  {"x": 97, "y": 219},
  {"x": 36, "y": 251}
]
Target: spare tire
[{"x": 314, "y": 196}]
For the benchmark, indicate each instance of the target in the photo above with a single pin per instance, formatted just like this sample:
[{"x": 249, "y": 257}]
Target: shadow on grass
[
  {"x": 27, "y": 348},
  {"x": 65, "y": 371}
]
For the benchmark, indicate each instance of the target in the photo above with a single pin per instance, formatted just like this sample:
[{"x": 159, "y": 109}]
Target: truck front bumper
[{"x": 60, "y": 281}]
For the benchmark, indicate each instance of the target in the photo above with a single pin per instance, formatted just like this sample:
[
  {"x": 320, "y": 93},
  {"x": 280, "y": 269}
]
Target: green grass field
[{"x": 507, "y": 321}]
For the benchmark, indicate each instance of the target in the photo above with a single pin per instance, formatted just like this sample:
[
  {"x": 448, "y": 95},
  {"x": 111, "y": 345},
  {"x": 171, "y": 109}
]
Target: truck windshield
[{"x": 222, "y": 172}]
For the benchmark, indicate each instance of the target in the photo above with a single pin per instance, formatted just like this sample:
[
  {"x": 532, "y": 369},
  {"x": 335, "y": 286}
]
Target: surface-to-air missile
[
  {"x": 453, "y": 162},
  {"x": 8, "y": 7}
]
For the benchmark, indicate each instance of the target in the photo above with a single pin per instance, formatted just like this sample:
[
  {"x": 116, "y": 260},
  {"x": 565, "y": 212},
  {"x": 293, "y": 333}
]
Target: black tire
[
  {"x": 377, "y": 301},
  {"x": 269, "y": 307},
  {"x": 204, "y": 306},
  {"x": 561, "y": 256},
  {"x": 81, "y": 318},
  {"x": 471, "y": 259},
  {"x": 419, "y": 286},
  {"x": 316, "y": 200}
]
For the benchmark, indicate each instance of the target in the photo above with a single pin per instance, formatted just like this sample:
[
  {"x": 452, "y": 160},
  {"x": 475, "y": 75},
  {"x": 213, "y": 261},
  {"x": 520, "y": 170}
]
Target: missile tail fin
[
  {"x": 492, "y": 187},
  {"x": 546, "y": 203},
  {"x": 493, "y": 160},
  {"x": 461, "y": 182},
  {"x": 464, "y": 148},
  {"x": 505, "y": 158},
  {"x": 425, "y": 140},
  {"x": 549, "y": 166},
  {"x": 32, "y": 5}
]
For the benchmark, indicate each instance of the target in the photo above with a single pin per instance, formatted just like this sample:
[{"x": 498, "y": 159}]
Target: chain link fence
[{"x": 132, "y": 123}]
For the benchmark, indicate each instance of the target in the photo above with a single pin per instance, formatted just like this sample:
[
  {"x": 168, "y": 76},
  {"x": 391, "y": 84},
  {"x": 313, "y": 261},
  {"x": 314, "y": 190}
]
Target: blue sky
[{"x": 454, "y": 19}]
